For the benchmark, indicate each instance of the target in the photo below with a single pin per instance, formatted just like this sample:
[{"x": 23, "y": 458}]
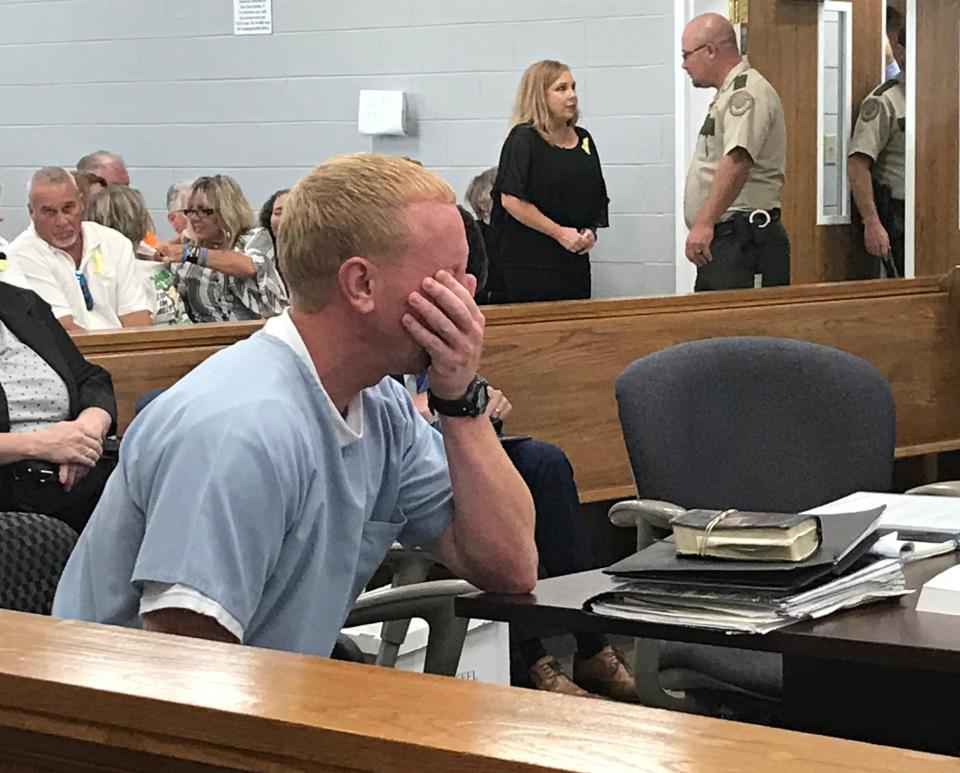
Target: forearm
[
  {"x": 493, "y": 529},
  {"x": 96, "y": 418},
  {"x": 731, "y": 175},
  {"x": 135, "y": 319},
  {"x": 861, "y": 185},
  {"x": 70, "y": 326},
  {"x": 183, "y": 622},
  {"x": 526, "y": 213},
  {"x": 17, "y": 446},
  {"x": 232, "y": 263}
]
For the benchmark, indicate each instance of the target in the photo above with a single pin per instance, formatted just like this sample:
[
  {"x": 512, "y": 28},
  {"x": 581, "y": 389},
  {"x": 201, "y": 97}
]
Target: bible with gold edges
[{"x": 743, "y": 536}]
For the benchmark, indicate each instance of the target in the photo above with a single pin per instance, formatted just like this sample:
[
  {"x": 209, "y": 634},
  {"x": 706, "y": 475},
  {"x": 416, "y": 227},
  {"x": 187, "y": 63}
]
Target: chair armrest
[
  {"x": 633, "y": 512},
  {"x": 431, "y": 601},
  {"x": 405, "y": 601},
  {"x": 946, "y": 488},
  {"x": 650, "y": 517}
]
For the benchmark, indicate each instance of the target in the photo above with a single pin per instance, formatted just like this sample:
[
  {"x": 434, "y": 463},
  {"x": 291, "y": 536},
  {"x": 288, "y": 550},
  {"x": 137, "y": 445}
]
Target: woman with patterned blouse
[
  {"x": 229, "y": 271},
  {"x": 56, "y": 410}
]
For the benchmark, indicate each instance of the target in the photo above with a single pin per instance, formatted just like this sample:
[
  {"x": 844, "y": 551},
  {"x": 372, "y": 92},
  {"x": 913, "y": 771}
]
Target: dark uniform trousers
[
  {"x": 892, "y": 217},
  {"x": 741, "y": 249}
]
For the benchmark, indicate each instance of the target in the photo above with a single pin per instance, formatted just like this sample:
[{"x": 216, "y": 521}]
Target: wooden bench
[
  {"x": 78, "y": 696},
  {"x": 557, "y": 362}
]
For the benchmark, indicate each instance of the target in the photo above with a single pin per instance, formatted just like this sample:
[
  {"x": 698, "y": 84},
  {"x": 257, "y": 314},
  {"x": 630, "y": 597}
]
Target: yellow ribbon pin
[
  {"x": 97, "y": 264},
  {"x": 586, "y": 145}
]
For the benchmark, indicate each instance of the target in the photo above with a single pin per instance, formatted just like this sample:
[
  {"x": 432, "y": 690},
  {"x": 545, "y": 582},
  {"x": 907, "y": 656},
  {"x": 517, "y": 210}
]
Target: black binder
[{"x": 846, "y": 537}]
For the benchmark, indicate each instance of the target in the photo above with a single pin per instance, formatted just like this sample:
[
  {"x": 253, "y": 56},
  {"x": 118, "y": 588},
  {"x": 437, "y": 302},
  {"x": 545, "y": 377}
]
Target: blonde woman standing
[
  {"x": 549, "y": 198},
  {"x": 229, "y": 272}
]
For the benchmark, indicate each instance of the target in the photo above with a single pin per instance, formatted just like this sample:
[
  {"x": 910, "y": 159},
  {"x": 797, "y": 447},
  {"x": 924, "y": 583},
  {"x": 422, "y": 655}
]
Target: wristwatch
[{"x": 473, "y": 402}]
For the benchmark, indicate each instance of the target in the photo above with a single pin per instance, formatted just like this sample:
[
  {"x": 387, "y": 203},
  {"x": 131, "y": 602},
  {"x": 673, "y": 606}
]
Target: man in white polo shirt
[{"x": 85, "y": 271}]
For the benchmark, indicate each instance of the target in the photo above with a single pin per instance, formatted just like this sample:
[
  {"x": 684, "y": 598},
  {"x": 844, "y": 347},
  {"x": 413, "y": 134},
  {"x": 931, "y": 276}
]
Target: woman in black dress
[{"x": 549, "y": 197}]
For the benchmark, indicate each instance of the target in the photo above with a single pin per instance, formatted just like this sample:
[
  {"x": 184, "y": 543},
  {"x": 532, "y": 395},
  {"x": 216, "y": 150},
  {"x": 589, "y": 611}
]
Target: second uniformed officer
[
  {"x": 876, "y": 167},
  {"x": 732, "y": 196}
]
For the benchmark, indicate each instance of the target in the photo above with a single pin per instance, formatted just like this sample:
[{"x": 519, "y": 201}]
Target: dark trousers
[
  {"x": 741, "y": 250},
  {"x": 41, "y": 492},
  {"x": 559, "y": 532},
  {"x": 568, "y": 282},
  {"x": 894, "y": 221}
]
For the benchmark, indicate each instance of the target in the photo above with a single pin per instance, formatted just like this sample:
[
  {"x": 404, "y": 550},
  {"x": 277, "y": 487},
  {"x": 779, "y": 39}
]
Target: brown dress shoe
[
  {"x": 606, "y": 674},
  {"x": 546, "y": 674}
]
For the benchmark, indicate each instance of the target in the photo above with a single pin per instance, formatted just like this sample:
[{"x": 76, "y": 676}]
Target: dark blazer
[{"x": 30, "y": 319}]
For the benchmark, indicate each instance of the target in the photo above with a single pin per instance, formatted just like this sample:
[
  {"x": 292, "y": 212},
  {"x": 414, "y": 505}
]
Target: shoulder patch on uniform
[
  {"x": 740, "y": 81},
  {"x": 885, "y": 87},
  {"x": 740, "y": 103},
  {"x": 870, "y": 109}
]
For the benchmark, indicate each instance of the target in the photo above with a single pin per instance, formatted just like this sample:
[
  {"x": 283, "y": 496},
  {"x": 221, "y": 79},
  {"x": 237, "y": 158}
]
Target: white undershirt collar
[{"x": 349, "y": 428}]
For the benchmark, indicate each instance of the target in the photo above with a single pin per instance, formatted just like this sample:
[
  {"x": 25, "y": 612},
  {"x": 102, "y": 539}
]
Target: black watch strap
[{"x": 473, "y": 402}]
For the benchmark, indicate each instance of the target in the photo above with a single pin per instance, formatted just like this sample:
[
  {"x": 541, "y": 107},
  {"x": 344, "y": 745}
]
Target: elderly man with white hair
[
  {"x": 84, "y": 270},
  {"x": 177, "y": 196}
]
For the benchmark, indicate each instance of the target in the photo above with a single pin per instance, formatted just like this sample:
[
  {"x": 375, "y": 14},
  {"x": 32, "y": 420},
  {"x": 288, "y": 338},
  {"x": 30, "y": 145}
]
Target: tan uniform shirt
[
  {"x": 746, "y": 113},
  {"x": 881, "y": 134}
]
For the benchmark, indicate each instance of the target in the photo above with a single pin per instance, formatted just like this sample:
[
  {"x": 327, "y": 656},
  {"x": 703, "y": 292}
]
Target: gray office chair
[
  {"x": 34, "y": 549},
  {"x": 431, "y": 601},
  {"x": 754, "y": 423}
]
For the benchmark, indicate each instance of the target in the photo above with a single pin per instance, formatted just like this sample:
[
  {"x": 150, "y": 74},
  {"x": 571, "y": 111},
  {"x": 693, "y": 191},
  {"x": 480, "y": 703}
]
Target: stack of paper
[
  {"x": 734, "y": 610},
  {"x": 755, "y": 596}
]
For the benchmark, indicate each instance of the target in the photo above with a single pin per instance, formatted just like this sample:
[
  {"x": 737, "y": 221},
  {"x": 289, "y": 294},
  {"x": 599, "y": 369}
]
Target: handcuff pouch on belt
[{"x": 747, "y": 228}]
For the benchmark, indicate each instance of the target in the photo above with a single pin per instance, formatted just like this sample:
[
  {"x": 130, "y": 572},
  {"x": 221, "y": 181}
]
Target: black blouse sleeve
[
  {"x": 94, "y": 384},
  {"x": 513, "y": 172},
  {"x": 602, "y": 219}
]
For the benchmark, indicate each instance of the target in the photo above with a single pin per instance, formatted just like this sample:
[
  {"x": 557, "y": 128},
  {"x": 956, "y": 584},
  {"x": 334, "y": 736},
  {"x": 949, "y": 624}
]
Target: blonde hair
[
  {"x": 222, "y": 193},
  {"x": 530, "y": 104},
  {"x": 121, "y": 208},
  {"x": 349, "y": 206}
]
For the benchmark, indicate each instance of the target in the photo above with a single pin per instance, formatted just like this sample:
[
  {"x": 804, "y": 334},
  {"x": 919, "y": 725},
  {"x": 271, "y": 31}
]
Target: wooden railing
[
  {"x": 84, "y": 697},
  {"x": 557, "y": 362}
]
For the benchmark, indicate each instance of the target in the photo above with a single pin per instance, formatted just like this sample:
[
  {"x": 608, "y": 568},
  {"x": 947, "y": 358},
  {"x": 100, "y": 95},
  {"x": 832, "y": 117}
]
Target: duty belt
[{"x": 759, "y": 218}]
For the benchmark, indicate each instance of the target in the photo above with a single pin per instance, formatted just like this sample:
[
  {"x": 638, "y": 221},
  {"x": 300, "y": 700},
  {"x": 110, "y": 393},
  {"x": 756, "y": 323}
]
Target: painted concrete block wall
[{"x": 167, "y": 85}]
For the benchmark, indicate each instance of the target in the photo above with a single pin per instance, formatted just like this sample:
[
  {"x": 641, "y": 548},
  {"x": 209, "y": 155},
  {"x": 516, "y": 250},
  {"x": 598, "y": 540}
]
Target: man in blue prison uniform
[{"x": 255, "y": 498}]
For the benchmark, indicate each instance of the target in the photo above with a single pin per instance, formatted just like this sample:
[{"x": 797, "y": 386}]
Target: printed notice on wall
[{"x": 252, "y": 17}]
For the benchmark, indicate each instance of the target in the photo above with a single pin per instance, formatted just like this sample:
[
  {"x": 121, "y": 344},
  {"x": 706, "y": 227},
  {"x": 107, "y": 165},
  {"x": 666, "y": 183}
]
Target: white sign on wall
[{"x": 252, "y": 17}]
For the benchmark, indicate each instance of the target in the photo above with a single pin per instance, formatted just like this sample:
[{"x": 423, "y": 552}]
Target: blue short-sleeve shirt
[{"x": 243, "y": 483}]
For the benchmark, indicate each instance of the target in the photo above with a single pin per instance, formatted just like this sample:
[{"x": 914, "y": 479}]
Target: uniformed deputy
[
  {"x": 876, "y": 167},
  {"x": 732, "y": 197}
]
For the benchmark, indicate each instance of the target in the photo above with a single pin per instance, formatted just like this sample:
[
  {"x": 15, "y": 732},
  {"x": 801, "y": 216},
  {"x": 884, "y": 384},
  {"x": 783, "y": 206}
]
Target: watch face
[{"x": 480, "y": 400}]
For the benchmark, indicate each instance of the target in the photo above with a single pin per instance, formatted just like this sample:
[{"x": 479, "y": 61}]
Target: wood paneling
[
  {"x": 557, "y": 362},
  {"x": 938, "y": 127},
  {"x": 77, "y": 696},
  {"x": 783, "y": 46}
]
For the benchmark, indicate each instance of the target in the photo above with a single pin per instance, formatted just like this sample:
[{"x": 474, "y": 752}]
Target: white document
[
  {"x": 941, "y": 594},
  {"x": 905, "y": 512},
  {"x": 891, "y": 546},
  {"x": 382, "y": 112},
  {"x": 252, "y": 17}
]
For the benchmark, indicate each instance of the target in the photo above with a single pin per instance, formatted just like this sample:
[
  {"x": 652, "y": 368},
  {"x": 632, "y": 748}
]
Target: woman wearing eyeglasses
[
  {"x": 228, "y": 272},
  {"x": 56, "y": 409},
  {"x": 549, "y": 197}
]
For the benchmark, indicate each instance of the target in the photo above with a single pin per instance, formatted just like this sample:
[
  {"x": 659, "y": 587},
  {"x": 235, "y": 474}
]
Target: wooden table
[
  {"x": 880, "y": 673},
  {"x": 83, "y": 697}
]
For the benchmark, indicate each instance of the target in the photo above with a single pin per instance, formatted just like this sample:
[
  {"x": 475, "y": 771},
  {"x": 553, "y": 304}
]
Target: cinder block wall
[{"x": 167, "y": 85}]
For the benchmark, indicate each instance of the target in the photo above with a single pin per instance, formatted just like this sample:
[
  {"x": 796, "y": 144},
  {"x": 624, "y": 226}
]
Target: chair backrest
[
  {"x": 33, "y": 551},
  {"x": 756, "y": 423}
]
